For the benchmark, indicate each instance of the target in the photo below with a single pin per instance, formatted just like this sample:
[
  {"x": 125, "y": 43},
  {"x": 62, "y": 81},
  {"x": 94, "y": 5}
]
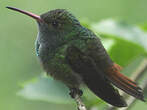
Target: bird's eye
[{"x": 55, "y": 24}]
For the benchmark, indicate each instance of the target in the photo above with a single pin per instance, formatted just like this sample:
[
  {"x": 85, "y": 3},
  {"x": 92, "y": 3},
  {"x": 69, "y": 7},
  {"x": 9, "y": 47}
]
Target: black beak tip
[{"x": 10, "y": 7}]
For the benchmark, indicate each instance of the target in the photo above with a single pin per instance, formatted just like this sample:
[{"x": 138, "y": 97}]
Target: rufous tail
[{"x": 124, "y": 83}]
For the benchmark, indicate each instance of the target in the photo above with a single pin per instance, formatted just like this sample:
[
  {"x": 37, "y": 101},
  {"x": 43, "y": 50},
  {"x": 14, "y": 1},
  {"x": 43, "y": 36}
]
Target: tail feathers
[
  {"x": 124, "y": 83},
  {"x": 116, "y": 67},
  {"x": 103, "y": 89}
]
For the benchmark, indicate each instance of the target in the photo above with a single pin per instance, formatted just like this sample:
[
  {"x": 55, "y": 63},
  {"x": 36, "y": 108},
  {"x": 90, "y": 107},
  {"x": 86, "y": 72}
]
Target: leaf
[
  {"x": 138, "y": 105},
  {"x": 123, "y": 52},
  {"x": 121, "y": 30},
  {"x": 46, "y": 89},
  {"x": 85, "y": 22},
  {"x": 131, "y": 67},
  {"x": 50, "y": 90},
  {"x": 143, "y": 26},
  {"x": 108, "y": 43}
]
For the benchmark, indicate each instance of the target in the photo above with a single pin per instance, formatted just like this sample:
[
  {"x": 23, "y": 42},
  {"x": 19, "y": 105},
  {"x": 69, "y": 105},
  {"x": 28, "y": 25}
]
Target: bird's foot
[{"x": 75, "y": 91}]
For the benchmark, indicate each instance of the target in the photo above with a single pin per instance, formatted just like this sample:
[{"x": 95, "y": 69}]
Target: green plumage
[{"x": 61, "y": 32}]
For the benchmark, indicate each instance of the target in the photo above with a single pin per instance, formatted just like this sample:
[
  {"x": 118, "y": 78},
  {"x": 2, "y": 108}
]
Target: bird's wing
[
  {"x": 93, "y": 77},
  {"x": 111, "y": 70}
]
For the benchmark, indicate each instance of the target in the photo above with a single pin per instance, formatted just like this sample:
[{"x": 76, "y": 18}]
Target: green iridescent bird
[{"x": 74, "y": 55}]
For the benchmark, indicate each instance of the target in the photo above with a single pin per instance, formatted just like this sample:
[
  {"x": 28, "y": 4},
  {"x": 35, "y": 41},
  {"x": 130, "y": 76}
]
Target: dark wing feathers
[
  {"x": 111, "y": 70},
  {"x": 93, "y": 77}
]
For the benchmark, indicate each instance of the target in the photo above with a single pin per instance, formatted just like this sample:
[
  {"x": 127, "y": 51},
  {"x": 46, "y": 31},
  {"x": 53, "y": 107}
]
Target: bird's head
[{"x": 58, "y": 22}]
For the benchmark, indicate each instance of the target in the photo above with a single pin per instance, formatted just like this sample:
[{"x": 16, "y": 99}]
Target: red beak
[{"x": 36, "y": 17}]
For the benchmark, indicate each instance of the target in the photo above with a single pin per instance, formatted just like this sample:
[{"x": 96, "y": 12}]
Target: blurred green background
[{"x": 18, "y": 61}]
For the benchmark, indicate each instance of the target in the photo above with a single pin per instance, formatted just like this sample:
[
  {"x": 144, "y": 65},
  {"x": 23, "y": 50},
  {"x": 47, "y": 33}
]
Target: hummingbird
[{"x": 74, "y": 55}]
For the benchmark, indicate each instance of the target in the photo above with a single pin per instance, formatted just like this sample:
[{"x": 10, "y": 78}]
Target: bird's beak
[{"x": 36, "y": 17}]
